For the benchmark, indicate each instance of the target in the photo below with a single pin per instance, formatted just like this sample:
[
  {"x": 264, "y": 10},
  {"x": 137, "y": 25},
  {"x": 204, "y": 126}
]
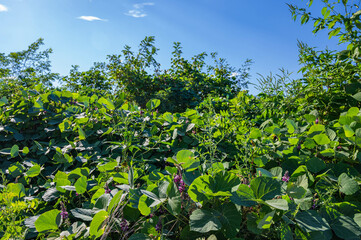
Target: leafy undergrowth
[{"x": 99, "y": 167}]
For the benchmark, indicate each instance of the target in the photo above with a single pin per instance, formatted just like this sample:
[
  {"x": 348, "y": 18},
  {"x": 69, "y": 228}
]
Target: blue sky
[{"x": 84, "y": 31}]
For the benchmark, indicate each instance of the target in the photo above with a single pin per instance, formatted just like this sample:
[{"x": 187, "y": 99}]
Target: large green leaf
[
  {"x": 49, "y": 220},
  {"x": 107, "y": 102},
  {"x": 97, "y": 226},
  {"x": 357, "y": 219},
  {"x": 266, "y": 221},
  {"x": 346, "y": 228},
  {"x": 102, "y": 202},
  {"x": 265, "y": 188},
  {"x": 152, "y": 104},
  {"x": 116, "y": 200},
  {"x": 231, "y": 219},
  {"x": 348, "y": 131},
  {"x": 291, "y": 125},
  {"x": 14, "y": 151},
  {"x": 3, "y": 101},
  {"x": 286, "y": 232},
  {"x": 61, "y": 179},
  {"x": 244, "y": 196},
  {"x": 149, "y": 201},
  {"x": 34, "y": 171},
  {"x": 51, "y": 194},
  {"x": 315, "y": 165},
  {"x": 316, "y": 129},
  {"x": 357, "y": 96},
  {"x": 187, "y": 160},
  {"x": 353, "y": 111},
  {"x": 311, "y": 221},
  {"x": 83, "y": 214},
  {"x": 81, "y": 185},
  {"x": 204, "y": 221},
  {"x": 321, "y": 139},
  {"x": 17, "y": 189},
  {"x": 347, "y": 185},
  {"x": 295, "y": 191},
  {"x": 220, "y": 185},
  {"x": 280, "y": 204}
]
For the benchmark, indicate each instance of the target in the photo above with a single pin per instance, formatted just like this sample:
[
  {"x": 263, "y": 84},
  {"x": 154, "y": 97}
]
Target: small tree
[
  {"x": 95, "y": 79},
  {"x": 330, "y": 78},
  {"x": 28, "y": 67},
  {"x": 184, "y": 85}
]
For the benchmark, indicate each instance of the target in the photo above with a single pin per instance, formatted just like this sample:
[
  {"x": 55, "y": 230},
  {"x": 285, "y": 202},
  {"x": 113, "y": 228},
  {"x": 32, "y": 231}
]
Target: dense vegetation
[{"x": 126, "y": 150}]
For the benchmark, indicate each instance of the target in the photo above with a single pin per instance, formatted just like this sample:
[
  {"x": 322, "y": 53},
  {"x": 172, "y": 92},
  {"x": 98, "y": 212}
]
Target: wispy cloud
[
  {"x": 3, "y": 8},
  {"x": 138, "y": 11},
  {"x": 141, "y": 5},
  {"x": 91, "y": 18}
]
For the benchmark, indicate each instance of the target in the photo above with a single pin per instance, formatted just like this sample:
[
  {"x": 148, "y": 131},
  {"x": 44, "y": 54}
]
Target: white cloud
[
  {"x": 3, "y": 8},
  {"x": 138, "y": 11},
  {"x": 91, "y": 18},
  {"x": 141, "y": 5}
]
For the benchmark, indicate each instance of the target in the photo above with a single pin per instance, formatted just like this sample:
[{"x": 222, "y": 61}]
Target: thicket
[{"x": 128, "y": 151}]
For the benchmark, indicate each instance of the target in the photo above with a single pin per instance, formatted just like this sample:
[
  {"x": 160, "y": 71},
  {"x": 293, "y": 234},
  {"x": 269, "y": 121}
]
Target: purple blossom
[
  {"x": 64, "y": 214},
  {"x": 158, "y": 227},
  {"x": 339, "y": 147},
  {"x": 180, "y": 183},
  {"x": 124, "y": 225},
  {"x": 107, "y": 190},
  {"x": 299, "y": 147},
  {"x": 181, "y": 188},
  {"x": 177, "y": 178},
  {"x": 316, "y": 121},
  {"x": 286, "y": 177},
  {"x": 76, "y": 194}
]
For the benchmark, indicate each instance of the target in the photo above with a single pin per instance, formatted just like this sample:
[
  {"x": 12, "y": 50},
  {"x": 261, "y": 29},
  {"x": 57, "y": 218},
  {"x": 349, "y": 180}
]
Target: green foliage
[
  {"x": 111, "y": 158},
  {"x": 26, "y": 68},
  {"x": 184, "y": 85}
]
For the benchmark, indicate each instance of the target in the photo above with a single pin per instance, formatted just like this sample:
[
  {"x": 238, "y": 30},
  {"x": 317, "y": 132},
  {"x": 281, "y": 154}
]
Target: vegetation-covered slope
[{"x": 184, "y": 153}]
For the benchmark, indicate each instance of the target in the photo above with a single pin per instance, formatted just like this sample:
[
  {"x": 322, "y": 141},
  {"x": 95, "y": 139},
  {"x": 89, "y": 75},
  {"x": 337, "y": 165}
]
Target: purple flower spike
[
  {"x": 316, "y": 121},
  {"x": 124, "y": 225},
  {"x": 177, "y": 178},
  {"x": 286, "y": 177},
  {"x": 158, "y": 227},
  {"x": 299, "y": 147},
  {"x": 107, "y": 190},
  {"x": 64, "y": 214},
  {"x": 182, "y": 186}
]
